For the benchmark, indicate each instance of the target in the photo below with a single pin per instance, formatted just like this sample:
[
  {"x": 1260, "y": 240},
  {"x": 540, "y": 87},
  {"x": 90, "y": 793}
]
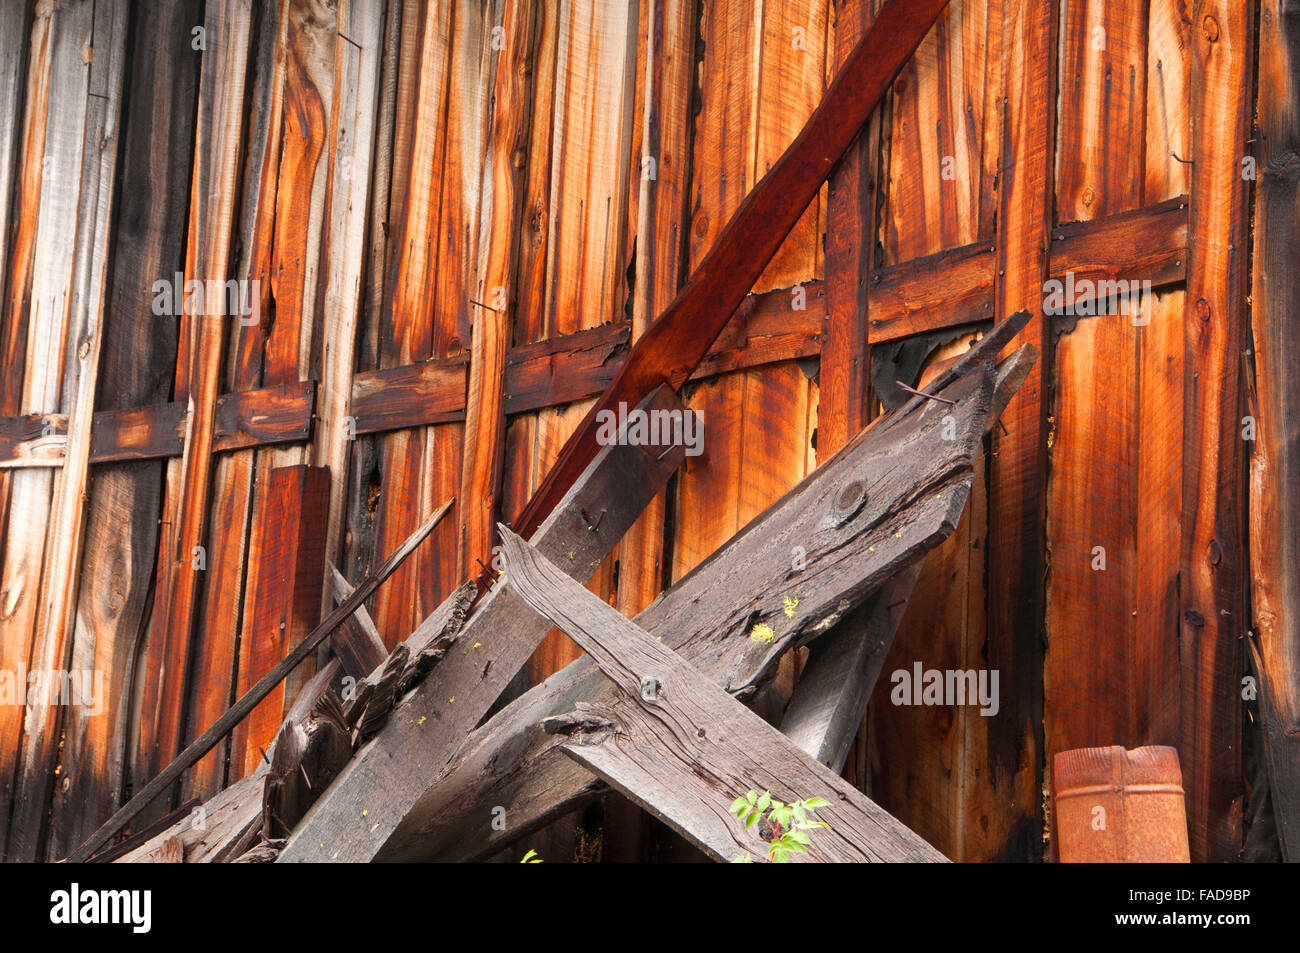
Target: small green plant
[
  {"x": 531, "y": 858},
  {"x": 786, "y": 826}
]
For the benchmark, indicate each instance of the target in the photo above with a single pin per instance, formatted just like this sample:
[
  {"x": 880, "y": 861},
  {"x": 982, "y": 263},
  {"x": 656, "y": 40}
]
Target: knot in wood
[
  {"x": 650, "y": 687},
  {"x": 848, "y": 502}
]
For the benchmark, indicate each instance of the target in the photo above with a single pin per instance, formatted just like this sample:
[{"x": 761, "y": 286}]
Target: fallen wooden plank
[
  {"x": 219, "y": 830},
  {"x": 681, "y": 747},
  {"x": 357, "y": 642},
  {"x": 835, "y": 684},
  {"x": 236, "y": 713},
  {"x": 710, "y": 615},
  {"x": 388, "y": 775}
]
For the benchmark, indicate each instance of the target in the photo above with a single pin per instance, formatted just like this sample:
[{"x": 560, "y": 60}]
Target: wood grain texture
[
  {"x": 844, "y": 373},
  {"x": 1093, "y": 659},
  {"x": 692, "y": 747},
  {"x": 1102, "y": 120},
  {"x": 672, "y": 347},
  {"x": 249, "y": 700},
  {"x": 1169, "y": 44},
  {"x": 284, "y": 594},
  {"x": 493, "y": 646},
  {"x": 942, "y": 174},
  {"x": 1211, "y": 592},
  {"x": 218, "y": 142},
  {"x": 500, "y": 214},
  {"x": 699, "y": 617},
  {"x": 59, "y": 373},
  {"x": 1016, "y": 504},
  {"x": 136, "y": 364},
  {"x": 1274, "y": 460}
]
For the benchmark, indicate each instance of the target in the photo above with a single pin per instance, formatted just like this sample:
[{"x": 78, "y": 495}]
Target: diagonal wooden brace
[{"x": 682, "y": 748}]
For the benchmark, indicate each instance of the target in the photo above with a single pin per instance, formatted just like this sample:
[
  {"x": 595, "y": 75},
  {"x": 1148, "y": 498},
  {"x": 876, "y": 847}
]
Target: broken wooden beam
[
  {"x": 387, "y": 777},
  {"x": 681, "y": 747},
  {"x": 357, "y": 643},
  {"x": 237, "y": 712},
  {"x": 720, "y": 616},
  {"x": 835, "y": 684}
]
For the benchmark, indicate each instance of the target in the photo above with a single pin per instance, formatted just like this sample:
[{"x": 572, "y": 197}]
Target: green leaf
[
  {"x": 799, "y": 847},
  {"x": 816, "y": 802},
  {"x": 743, "y": 859},
  {"x": 737, "y": 804},
  {"x": 799, "y": 837},
  {"x": 752, "y": 819},
  {"x": 765, "y": 801},
  {"x": 752, "y": 796}
]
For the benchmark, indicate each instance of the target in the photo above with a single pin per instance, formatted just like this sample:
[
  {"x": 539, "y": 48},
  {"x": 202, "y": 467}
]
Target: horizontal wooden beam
[
  {"x": 951, "y": 288},
  {"x": 775, "y": 326},
  {"x": 956, "y": 286},
  {"x": 251, "y": 418}
]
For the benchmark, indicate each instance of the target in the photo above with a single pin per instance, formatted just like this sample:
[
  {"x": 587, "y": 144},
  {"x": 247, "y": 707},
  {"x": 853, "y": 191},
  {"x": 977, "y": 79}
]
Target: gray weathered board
[
  {"x": 682, "y": 748},
  {"x": 918, "y": 483},
  {"x": 378, "y": 788}
]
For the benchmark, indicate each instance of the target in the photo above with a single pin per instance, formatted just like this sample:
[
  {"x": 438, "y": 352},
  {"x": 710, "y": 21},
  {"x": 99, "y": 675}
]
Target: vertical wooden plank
[
  {"x": 790, "y": 78},
  {"x": 15, "y": 637},
  {"x": 1169, "y": 43},
  {"x": 219, "y": 138},
  {"x": 1100, "y": 159},
  {"x": 845, "y": 371},
  {"x": 575, "y": 254},
  {"x": 228, "y": 552},
  {"x": 590, "y": 140},
  {"x": 64, "y": 33},
  {"x": 82, "y": 303},
  {"x": 941, "y": 178},
  {"x": 1212, "y": 614},
  {"x": 285, "y": 594},
  {"x": 414, "y": 466},
  {"x": 1091, "y": 529},
  {"x": 1011, "y": 784},
  {"x": 137, "y": 360},
  {"x": 353, "y": 132},
  {"x": 499, "y": 221},
  {"x": 669, "y": 58},
  {"x": 15, "y": 20},
  {"x": 1091, "y": 661},
  {"x": 1275, "y": 458},
  {"x": 1159, "y": 452}
]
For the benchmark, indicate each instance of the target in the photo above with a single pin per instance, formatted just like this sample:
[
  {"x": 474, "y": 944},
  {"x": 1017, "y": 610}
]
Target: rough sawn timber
[
  {"x": 681, "y": 747},
  {"x": 390, "y": 773},
  {"x": 709, "y": 616}
]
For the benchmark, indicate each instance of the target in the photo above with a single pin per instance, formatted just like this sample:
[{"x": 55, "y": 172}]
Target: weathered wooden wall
[{"x": 456, "y": 215}]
